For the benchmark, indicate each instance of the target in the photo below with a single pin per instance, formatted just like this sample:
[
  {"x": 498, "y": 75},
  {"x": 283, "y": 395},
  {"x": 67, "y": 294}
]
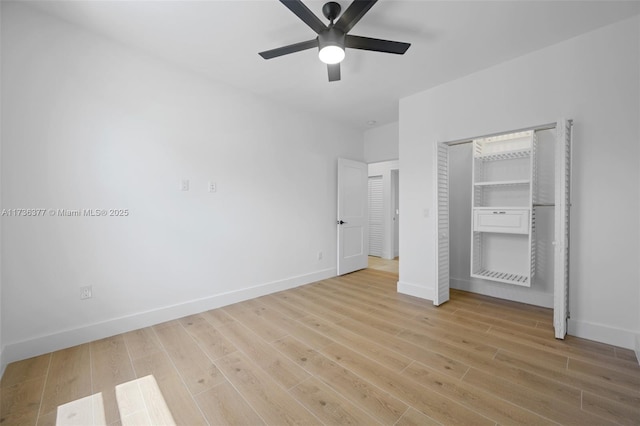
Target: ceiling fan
[{"x": 334, "y": 38}]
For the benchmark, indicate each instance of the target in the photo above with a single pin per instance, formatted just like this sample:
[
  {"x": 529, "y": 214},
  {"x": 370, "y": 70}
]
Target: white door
[
  {"x": 442, "y": 223},
  {"x": 353, "y": 218},
  {"x": 376, "y": 220},
  {"x": 562, "y": 211}
]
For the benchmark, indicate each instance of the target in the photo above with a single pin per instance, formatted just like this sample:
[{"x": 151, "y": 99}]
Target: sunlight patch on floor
[
  {"x": 82, "y": 412},
  {"x": 140, "y": 403}
]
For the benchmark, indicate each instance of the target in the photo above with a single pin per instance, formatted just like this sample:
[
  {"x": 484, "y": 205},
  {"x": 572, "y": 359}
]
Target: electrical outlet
[
  {"x": 184, "y": 185},
  {"x": 85, "y": 292},
  {"x": 213, "y": 187},
  {"x": 319, "y": 255}
]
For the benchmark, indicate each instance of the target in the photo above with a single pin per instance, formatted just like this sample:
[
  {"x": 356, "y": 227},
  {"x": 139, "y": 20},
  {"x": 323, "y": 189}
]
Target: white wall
[
  {"x": 593, "y": 79},
  {"x": 384, "y": 169},
  {"x": 381, "y": 143},
  {"x": 89, "y": 124}
]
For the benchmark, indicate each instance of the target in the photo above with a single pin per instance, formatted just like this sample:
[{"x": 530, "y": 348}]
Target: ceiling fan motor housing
[
  {"x": 331, "y": 37},
  {"x": 331, "y": 10}
]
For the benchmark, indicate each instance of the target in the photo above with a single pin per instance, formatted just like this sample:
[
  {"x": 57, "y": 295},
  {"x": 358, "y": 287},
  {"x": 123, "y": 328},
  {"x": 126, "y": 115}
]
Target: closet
[
  {"x": 503, "y": 217},
  {"x": 511, "y": 194}
]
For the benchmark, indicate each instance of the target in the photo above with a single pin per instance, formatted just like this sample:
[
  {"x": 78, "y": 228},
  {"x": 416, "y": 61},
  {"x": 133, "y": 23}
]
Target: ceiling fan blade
[
  {"x": 334, "y": 71},
  {"x": 307, "y": 16},
  {"x": 375, "y": 44},
  {"x": 352, "y": 15},
  {"x": 292, "y": 48}
]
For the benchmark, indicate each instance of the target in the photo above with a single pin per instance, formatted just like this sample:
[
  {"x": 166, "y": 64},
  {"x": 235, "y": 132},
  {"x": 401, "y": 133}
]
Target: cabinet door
[
  {"x": 442, "y": 212},
  {"x": 562, "y": 222}
]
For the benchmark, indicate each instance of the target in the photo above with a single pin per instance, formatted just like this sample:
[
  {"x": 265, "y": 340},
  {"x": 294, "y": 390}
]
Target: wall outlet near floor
[
  {"x": 85, "y": 292},
  {"x": 319, "y": 255}
]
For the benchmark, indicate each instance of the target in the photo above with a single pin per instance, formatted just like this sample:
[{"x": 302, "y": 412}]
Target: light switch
[{"x": 184, "y": 185}]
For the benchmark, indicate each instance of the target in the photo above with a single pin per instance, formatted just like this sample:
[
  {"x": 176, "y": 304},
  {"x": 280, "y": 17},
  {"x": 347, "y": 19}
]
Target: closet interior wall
[{"x": 460, "y": 197}]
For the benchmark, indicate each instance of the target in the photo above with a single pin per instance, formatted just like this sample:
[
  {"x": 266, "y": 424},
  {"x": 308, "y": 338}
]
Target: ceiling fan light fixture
[
  {"x": 331, "y": 54},
  {"x": 331, "y": 45}
]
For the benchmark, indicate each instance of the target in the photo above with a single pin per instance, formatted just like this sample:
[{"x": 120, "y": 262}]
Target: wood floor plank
[
  {"x": 243, "y": 313},
  {"x": 110, "y": 366},
  {"x": 223, "y": 405},
  {"x": 329, "y": 406},
  {"x": 274, "y": 404},
  {"x": 474, "y": 398},
  {"x": 26, "y": 418},
  {"x": 274, "y": 302},
  {"x": 27, "y": 369},
  {"x": 381, "y": 405},
  {"x": 196, "y": 369},
  {"x": 433, "y": 404},
  {"x": 141, "y": 403},
  {"x": 20, "y": 402},
  {"x": 69, "y": 378},
  {"x": 217, "y": 317},
  {"x": 437, "y": 354},
  {"x": 511, "y": 362},
  {"x": 349, "y": 311},
  {"x": 208, "y": 337},
  {"x": 414, "y": 417},
  {"x": 262, "y": 313},
  {"x": 498, "y": 322},
  {"x": 84, "y": 411},
  {"x": 561, "y": 348},
  {"x": 281, "y": 369},
  {"x": 553, "y": 409},
  {"x": 368, "y": 347},
  {"x": 487, "y": 344},
  {"x": 626, "y": 354},
  {"x": 426, "y": 336},
  {"x": 396, "y": 311},
  {"x": 619, "y": 413},
  {"x": 625, "y": 379},
  {"x": 48, "y": 419},
  {"x": 179, "y": 400},
  {"x": 142, "y": 343}
]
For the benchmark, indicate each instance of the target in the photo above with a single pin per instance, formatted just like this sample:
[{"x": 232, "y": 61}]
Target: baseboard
[
  {"x": 415, "y": 290},
  {"x": 72, "y": 337},
  {"x": 504, "y": 291},
  {"x": 603, "y": 333}
]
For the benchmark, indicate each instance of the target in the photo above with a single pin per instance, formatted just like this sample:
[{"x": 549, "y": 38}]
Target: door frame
[{"x": 562, "y": 184}]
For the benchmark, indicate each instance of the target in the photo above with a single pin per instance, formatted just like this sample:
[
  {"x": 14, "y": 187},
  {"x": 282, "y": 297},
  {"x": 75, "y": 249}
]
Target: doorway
[{"x": 384, "y": 213}]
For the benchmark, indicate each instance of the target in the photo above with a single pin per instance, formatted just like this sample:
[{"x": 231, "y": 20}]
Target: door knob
[{"x": 341, "y": 222}]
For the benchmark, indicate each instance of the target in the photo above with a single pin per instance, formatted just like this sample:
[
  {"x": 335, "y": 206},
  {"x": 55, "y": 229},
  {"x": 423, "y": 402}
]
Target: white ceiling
[{"x": 449, "y": 39}]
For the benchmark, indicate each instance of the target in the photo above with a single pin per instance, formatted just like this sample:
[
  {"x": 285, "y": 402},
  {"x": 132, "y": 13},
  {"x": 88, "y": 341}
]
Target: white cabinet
[{"x": 503, "y": 218}]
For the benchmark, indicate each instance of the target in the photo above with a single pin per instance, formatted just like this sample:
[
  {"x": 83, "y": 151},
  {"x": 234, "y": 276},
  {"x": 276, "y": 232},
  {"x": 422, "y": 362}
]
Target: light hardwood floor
[
  {"x": 388, "y": 265},
  {"x": 347, "y": 350}
]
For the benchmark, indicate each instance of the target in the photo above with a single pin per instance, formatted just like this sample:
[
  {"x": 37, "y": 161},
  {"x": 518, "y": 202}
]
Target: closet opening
[{"x": 503, "y": 217}]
